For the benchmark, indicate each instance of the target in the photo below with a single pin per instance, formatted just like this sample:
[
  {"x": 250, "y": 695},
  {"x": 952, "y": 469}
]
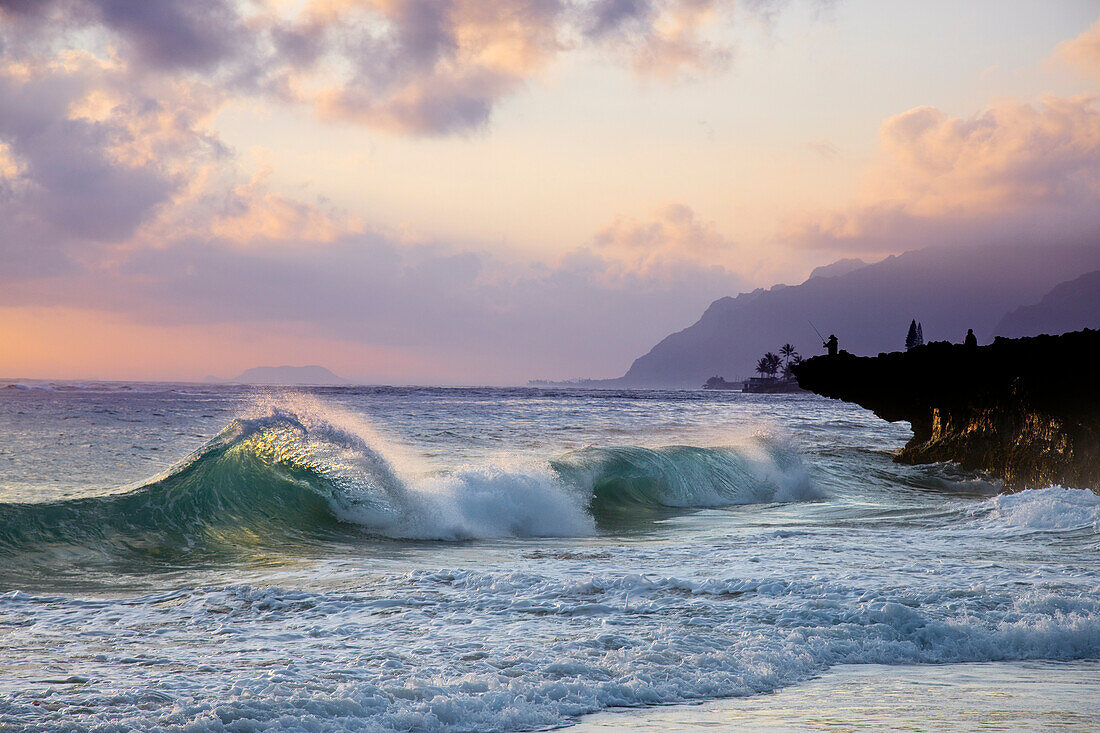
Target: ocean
[{"x": 185, "y": 557}]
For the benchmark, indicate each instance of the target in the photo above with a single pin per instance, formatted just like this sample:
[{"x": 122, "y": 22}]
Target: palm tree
[
  {"x": 773, "y": 361},
  {"x": 787, "y": 351},
  {"x": 788, "y": 372},
  {"x": 762, "y": 366}
]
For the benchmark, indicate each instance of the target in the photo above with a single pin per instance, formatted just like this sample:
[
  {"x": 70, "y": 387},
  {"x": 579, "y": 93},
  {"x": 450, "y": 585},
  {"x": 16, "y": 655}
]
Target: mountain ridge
[
  {"x": 1069, "y": 306},
  {"x": 948, "y": 289}
]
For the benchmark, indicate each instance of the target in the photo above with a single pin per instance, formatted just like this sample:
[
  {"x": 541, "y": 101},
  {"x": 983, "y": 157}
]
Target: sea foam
[{"x": 1053, "y": 509}]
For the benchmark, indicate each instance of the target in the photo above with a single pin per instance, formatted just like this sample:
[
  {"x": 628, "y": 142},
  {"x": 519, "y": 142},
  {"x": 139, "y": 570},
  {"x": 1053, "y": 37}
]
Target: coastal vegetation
[
  {"x": 774, "y": 370},
  {"x": 915, "y": 337},
  {"x": 771, "y": 364}
]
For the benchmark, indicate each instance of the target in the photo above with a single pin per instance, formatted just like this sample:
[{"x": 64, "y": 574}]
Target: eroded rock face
[{"x": 1025, "y": 410}]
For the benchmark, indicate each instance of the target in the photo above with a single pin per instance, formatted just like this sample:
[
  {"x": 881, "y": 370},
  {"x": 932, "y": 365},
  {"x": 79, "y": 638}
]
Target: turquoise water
[{"x": 182, "y": 557}]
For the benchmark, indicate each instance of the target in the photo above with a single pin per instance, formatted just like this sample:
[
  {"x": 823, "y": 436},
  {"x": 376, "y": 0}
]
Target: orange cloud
[
  {"x": 671, "y": 233},
  {"x": 674, "y": 42},
  {"x": 943, "y": 178},
  {"x": 1082, "y": 52},
  {"x": 255, "y": 213},
  {"x": 10, "y": 167}
]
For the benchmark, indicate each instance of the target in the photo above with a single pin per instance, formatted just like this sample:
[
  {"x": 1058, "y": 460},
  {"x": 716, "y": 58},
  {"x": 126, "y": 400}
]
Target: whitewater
[{"x": 183, "y": 557}]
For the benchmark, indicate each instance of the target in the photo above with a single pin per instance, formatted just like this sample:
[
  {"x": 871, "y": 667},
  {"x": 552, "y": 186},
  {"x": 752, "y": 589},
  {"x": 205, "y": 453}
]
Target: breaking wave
[
  {"x": 1054, "y": 509},
  {"x": 295, "y": 479}
]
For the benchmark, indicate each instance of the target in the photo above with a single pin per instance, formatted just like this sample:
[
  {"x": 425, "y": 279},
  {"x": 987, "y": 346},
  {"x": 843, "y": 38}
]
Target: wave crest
[{"x": 287, "y": 479}]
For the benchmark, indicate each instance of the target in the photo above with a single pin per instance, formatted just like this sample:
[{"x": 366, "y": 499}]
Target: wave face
[
  {"x": 251, "y": 486},
  {"x": 763, "y": 472},
  {"x": 292, "y": 480}
]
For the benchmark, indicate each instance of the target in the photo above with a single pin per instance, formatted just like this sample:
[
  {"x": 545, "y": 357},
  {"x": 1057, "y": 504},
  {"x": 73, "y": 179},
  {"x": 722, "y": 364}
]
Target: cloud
[
  {"x": 91, "y": 155},
  {"x": 661, "y": 39},
  {"x": 606, "y": 17},
  {"x": 62, "y": 180},
  {"x": 252, "y": 212},
  {"x": 671, "y": 236},
  {"x": 425, "y": 67},
  {"x": 1082, "y": 52},
  {"x": 824, "y": 147},
  {"x": 167, "y": 34},
  {"x": 1014, "y": 170},
  {"x": 442, "y": 67},
  {"x": 119, "y": 199},
  {"x": 501, "y": 321},
  {"x": 70, "y": 178},
  {"x": 434, "y": 67}
]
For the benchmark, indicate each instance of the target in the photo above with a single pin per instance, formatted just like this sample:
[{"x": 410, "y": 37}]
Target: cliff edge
[{"x": 1025, "y": 410}]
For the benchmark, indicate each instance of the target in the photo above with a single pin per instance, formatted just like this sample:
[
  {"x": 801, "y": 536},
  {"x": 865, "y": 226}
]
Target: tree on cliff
[
  {"x": 915, "y": 337},
  {"x": 788, "y": 369}
]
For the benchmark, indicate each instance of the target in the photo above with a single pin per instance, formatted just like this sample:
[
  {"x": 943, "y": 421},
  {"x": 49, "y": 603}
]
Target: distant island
[
  {"x": 312, "y": 375},
  {"x": 1025, "y": 410}
]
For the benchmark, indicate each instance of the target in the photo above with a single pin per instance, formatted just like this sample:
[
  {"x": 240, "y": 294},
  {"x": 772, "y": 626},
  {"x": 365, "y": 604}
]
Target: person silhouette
[
  {"x": 971, "y": 341},
  {"x": 831, "y": 344}
]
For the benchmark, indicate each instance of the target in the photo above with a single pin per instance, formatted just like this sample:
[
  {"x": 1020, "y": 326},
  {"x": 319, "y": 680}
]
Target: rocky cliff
[{"x": 1025, "y": 410}]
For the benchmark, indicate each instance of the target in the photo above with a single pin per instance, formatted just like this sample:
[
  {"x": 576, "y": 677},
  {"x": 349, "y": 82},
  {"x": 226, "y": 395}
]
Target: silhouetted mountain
[
  {"x": 840, "y": 267},
  {"x": 947, "y": 289},
  {"x": 1070, "y": 306},
  {"x": 288, "y": 375}
]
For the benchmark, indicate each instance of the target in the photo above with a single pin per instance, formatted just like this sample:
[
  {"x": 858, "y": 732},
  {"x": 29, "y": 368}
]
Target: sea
[{"x": 226, "y": 558}]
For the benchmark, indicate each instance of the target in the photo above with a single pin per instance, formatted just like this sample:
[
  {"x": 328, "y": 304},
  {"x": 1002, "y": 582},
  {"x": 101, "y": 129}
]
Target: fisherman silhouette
[
  {"x": 971, "y": 341},
  {"x": 831, "y": 344}
]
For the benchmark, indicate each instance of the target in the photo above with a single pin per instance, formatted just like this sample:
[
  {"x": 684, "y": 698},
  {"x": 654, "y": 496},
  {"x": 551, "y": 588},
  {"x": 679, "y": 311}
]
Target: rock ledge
[{"x": 1024, "y": 410}]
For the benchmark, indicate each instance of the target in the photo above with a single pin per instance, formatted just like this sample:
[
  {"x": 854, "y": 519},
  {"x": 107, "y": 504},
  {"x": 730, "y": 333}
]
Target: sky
[{"x": 491, "y": 191}]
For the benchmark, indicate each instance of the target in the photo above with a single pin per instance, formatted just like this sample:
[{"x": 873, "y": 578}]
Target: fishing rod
[{"x": 815, "y": 330}]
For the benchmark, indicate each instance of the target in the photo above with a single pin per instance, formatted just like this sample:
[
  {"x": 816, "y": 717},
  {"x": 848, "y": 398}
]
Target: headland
[{"x": 1026, "y": 411}]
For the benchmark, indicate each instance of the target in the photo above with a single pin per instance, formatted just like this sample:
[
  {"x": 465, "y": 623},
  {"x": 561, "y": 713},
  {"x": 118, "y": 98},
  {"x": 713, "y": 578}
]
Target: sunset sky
[{"x": 475, "y": 192}]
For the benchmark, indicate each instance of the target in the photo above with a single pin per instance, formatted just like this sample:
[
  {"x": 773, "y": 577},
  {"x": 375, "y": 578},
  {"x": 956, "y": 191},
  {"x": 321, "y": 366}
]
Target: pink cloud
[
  {"x": 1013, "y": 170},
  {"x": 671, "y": 235},
  {"x": 1082, "y": 52},
  {"x": 663, "y": 40}
]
